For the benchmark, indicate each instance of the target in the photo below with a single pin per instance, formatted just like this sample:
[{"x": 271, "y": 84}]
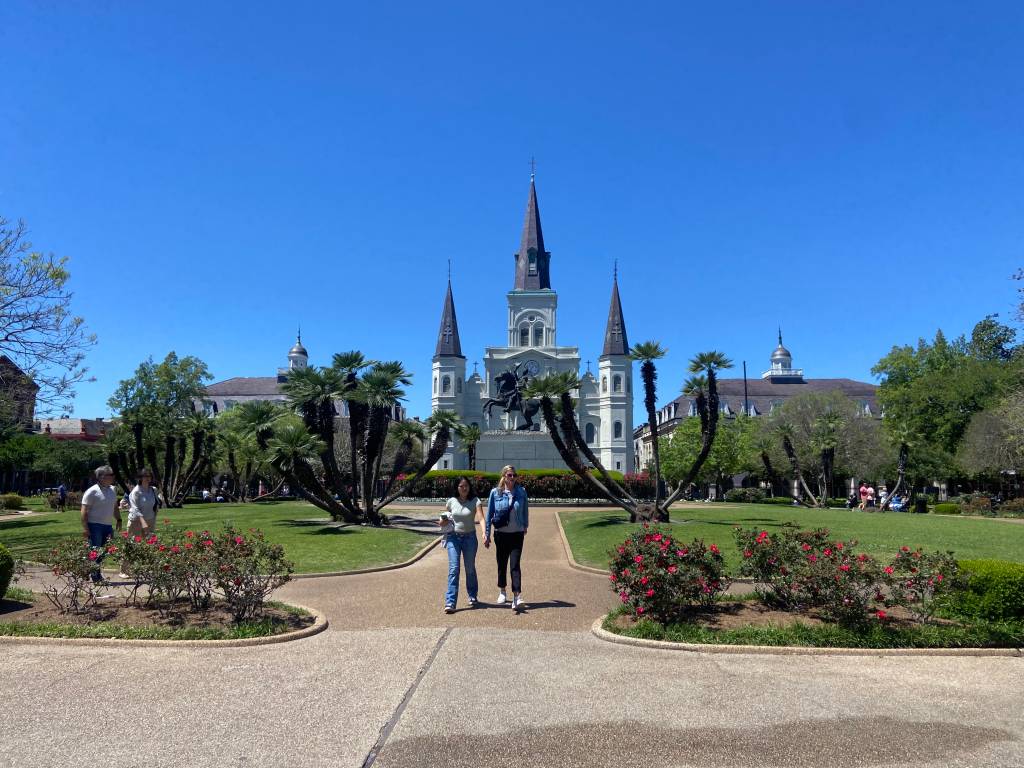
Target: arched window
[
  {"x": 538, "y": 335},
  {"x": 458, "y": 385},
  {"x": 617, "y": 431},
  {"x": 446, "y": 385},
  {"x": 617, "y": 383},
  {"x": 589, "y": 433},
  {"x": 524, "y": 337},
  {"x": 604, "y": 383},
  {"x": 533, "y": 263}
]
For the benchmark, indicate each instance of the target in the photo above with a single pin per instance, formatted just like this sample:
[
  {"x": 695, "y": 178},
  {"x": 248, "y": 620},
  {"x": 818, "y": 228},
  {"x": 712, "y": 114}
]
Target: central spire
[
  {"x": 532, "y": 261},
  {"x": 448, "y": 343},
  {"x": 615, "y": 341}
]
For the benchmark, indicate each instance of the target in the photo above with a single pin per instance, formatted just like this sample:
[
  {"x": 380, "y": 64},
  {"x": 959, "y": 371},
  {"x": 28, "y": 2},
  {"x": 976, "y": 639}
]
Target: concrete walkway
[{"x": 395, "y": 682}]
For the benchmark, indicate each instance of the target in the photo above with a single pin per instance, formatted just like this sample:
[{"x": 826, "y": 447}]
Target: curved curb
[
  {"x": 793, "y": 650},
  {"x": 319, "y": 624},
  {"x": 380, "y": 569}
]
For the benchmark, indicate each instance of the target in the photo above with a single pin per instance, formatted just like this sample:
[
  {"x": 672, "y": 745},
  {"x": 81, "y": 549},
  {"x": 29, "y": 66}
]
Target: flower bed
[
  {"x": 182, "y": 584},
  {"x": 809, "y": 590}
]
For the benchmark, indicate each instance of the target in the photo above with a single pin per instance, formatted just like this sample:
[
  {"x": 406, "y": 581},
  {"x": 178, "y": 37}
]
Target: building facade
[
  {"x": 758, "y": 397},
  {"x": 605, "y": 401}
]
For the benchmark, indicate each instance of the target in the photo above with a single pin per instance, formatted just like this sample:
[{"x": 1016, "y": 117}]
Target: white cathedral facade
[{"x": 605, "y": 402}]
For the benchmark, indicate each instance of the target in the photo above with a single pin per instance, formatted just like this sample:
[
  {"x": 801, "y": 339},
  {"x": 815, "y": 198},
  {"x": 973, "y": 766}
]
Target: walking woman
[
  {"x": 143, "y": 504},
  {"x": 509, "y": 513},
  {"x": 459, "y": 522}
]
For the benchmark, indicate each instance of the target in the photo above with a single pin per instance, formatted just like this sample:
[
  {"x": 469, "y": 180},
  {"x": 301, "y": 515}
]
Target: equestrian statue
[{"x": 510, "y": 397}]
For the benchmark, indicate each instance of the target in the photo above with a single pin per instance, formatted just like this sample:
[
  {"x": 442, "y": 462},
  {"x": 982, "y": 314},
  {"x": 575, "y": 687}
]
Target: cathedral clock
[{"x": 532, "y": 367}]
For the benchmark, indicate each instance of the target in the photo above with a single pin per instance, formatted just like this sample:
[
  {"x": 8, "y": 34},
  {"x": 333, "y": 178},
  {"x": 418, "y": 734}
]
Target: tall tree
[
  {"x": 469, "y": 435},
  {"x": 38, "y": 329}
]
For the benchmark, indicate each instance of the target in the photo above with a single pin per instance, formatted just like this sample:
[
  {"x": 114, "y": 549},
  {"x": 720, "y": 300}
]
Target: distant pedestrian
[
  {"x": 863, "y": 491},
  {"x": 508, "y": 512},
  {"x": 459, "y": 520},
  {"x": 871, "y": 497},
  {"x": 143, "y": 504},
  {"x": 100, "y": 513},
  {"x": 62, "y": 498}
]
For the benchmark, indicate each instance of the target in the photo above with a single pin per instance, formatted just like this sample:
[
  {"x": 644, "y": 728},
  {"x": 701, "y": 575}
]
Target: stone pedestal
[{"x": 523, "y": 450}]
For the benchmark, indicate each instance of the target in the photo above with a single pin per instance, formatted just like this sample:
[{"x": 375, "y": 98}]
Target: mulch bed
[
  {"x": 750, "y": 613},
  {"x": 114, "y": 610}
]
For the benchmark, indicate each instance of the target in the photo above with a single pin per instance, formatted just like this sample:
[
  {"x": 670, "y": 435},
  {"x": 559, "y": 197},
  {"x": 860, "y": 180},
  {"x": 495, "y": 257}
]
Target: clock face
[{"x": 532, "y": 367}]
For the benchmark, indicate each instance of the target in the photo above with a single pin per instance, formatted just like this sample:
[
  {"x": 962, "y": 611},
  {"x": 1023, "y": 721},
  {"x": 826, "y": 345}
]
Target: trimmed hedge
[
  {"x": 11, "y": 501},
  {"x": 539, "y": 483},
  {"x": 6, "y": 569},
  {"x": 947, "y": 508},
  {"x": 745, "y": 495},
  {"x": 995, "y": 590}
]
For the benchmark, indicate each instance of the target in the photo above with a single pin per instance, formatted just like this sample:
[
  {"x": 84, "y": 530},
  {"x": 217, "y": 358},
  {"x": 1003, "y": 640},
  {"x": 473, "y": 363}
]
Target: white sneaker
[
  {"x": 502, "y": 598},
  {"x": 517, "y": 603}
]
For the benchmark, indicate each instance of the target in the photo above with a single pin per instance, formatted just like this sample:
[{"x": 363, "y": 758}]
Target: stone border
[
  {"x": 393, "y": 567},
  {"x": 793, "y": 650},
  {"x": 319, "y": 624}
]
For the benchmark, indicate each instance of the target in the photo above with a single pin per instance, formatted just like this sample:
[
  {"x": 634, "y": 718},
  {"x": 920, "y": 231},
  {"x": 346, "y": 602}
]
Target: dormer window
[{"x": 533, "y": 263}]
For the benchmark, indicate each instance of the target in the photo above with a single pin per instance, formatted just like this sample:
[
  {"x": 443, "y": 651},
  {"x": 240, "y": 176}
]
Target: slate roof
[
  {"x": 615, "y": 341},
  {"x": 245, "y": 385},
  {"x": 448, "y": 343},
  {"x": 532, "y": 240}
]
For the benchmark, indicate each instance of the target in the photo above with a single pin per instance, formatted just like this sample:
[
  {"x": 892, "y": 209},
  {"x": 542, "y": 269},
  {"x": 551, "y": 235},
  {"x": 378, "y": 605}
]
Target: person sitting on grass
[{"x": 100, "y": 513}]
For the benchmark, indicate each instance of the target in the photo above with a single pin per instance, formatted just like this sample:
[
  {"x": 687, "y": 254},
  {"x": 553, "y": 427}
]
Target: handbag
[{"x": 501, "y": 516}]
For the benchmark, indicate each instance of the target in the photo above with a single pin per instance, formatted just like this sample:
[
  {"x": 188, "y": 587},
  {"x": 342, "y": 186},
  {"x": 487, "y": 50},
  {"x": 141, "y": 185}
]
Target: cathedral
[{"x": 605, "y": 402}]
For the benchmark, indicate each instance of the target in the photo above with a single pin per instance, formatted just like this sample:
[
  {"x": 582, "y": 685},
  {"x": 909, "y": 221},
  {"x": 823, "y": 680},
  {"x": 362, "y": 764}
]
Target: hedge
[
  {"x": 947, "y": 508},
  {"x": 6, "y": 569},
  {"x": 539, "y": 483},
  {"x": 11, "y": 501},
  {"x": 995, "y": 590}
]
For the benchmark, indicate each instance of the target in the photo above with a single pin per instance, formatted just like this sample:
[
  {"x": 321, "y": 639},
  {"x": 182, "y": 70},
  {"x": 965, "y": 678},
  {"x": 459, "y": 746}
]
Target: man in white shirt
[{"x": 100, "y": 512}]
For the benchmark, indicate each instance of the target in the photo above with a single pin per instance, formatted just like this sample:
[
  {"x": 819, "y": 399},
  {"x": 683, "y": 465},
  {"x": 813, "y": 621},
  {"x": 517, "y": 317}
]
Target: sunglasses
[{"x": 510, "y": 474}]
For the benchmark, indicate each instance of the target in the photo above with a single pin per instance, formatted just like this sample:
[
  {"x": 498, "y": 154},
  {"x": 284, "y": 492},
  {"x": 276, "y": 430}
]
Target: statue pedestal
[{"x": 523, "y": 450}]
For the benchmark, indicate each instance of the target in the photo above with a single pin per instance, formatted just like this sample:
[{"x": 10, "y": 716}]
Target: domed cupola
[
  {"x": 782, "y": 370},
  {"x": 298, "y": 357}
]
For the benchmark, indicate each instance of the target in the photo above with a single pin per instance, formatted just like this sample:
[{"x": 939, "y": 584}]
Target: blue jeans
[
  {"x": 99, "y": 534},
  {"x": 464, "y": 544}
]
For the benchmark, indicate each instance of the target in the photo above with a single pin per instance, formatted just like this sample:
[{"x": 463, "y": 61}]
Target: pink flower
[
  {"x": 827, "y": 552},
  {"x": 938, "y": 577},
  {"x": 93, "y": 554},
  {"x": 747, "y": 553},
  {"x": 806, "y": 547},
  {"x": 239, "y": 540},
  {"x": 626, "y": 572},
  {"x": 904, "y": 549},
  {"x": 657, "y": 537},
  {"x": 111, "y": 550},
  {"x": 638, "y": 559},
  {"x": 812, "y": 558},
  {"x": 839, "y": 545},
  {"x": 888, "y": 569},
  {"x": 639, "y": 609},
  {"x": 622, "y": 550},
  {"x": 176, "y": 549},
  {"x": 124, "y": 534},
  {"x": 649, "y": 593},
  {"x": 681, "y": 552},
  {"x": 189, "y": 534},
  {"x": 208, "y": 543},
  {"x": 844, "y": 567},
  {"x": 672, "y": 569},
  {"x": 644, "y": 580},
  {"x": 188, "y": 545}
]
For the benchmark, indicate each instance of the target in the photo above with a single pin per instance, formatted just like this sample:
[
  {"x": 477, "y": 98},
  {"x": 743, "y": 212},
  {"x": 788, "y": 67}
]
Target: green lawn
[
  {"x": 308, "y": 539},
  {"x": 592, "y": 534}
]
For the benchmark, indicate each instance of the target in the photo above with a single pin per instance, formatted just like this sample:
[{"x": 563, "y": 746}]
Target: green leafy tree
[
  {"x": 161, "y": 427},
  {"x": 68, "y": 461},
  {"x": 470, "y": 435},
  {"x": 732, "y": 452}
]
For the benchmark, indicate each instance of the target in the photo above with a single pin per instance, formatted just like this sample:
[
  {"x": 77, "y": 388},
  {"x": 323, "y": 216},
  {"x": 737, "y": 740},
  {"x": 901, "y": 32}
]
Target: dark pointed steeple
[
  {"x": 532, "y": 261},
  {"x": 448, "y": 344},
  {"x": 615, "y": 341}
]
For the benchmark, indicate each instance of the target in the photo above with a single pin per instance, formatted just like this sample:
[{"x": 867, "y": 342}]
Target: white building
[{"x": 605, "y": 410}]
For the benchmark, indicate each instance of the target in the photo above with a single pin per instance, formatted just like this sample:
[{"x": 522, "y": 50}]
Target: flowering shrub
[
  {"x": 174, "y": 565},
  {"x": 6, "y": 569},
  {"x": 920, "y": 582},
  {"x": 656, "y": 576},
  {"x": 74, "y": 500},
  {"x": 11, "y": 502},
  {"x": 543, "y": 484},
  {"x": 777, "y": 562},
  {"x": 73, "y": 562}
]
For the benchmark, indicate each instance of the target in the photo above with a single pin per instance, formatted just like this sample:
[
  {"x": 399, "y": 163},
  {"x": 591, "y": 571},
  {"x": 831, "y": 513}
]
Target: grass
[
  {"x": 311, "y": 541},
  {"x": 592, "y": 534},
  {"x": 258, "y": 628},
  {"x": 875, "y": 635}
]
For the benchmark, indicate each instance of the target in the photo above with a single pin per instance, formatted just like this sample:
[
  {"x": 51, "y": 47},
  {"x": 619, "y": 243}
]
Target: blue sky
[{"x": 851, "y": 171}]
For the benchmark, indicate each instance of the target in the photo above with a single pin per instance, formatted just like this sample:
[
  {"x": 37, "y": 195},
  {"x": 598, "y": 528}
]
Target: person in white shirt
[{"x": 100, "y": 513}]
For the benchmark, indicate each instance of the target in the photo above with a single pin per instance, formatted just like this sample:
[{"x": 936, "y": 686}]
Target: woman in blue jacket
[{"x": 508, "y": 511}]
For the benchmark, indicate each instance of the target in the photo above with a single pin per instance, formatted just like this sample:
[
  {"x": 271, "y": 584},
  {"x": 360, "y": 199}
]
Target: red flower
[
  {"x": 888, "y": 569},
  {"x": 714, "y": 548},
  {"x": 188, "y": 545},
  {"x": 806, "y": 547},
  {"x": 167, "y": 567},
  {"x": 189, "y": 534},
  {"x": 639, "y": 609},
  {"x": 175, "y": 549},
  {"x": 644, "y": 580},
  {"x": 747, "y": 553},
  {"x": 622, "y": 550},
  {"x": 239, "y": 540},
  {"x": 137, "y": 539},
  {"x": 672, "y": 569},
  {"x": 844, "y": 567},
  {"x": 649, "y": 593},
  {"x": 839, "y": 545},
  {"x": 657, "y": 537},
  {"x": 827, "y": 552},
  {"x": 151, "y": 539},
  {"x": 626, "y": 573},
  {"x": 938, "y": 576},
  {"x": 904, "y": 549},
  {"x": 682, "y": 552},
  {"x": 111, "y": 550},
  {"x": 237, "y": 582},
  {"x": 638, "y": 559},
  {"x": 812, "y": 558},
  {"x": 93, "y": 554},
  {"x": 208, "y": 543},
  {"x": 124, "y": 534},
  {"x": 163, "y": 548},
  {"x": 881, "y": 615}
]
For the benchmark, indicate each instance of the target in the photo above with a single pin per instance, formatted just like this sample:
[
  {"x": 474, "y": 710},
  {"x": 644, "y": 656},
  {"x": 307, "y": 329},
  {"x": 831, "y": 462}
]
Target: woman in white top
[
  {"x": 143, "y": 504},
  {"x": 459, "y": 521}
]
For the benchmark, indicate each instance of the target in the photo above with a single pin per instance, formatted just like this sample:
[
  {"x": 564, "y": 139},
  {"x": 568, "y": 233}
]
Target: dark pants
[
  {"x": 99, "y": 535},
  {"x": 509, "y": 549}
]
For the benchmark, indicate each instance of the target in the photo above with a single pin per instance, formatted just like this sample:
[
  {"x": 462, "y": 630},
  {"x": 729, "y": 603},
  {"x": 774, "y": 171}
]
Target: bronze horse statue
[{"x": 510, "y": 398}]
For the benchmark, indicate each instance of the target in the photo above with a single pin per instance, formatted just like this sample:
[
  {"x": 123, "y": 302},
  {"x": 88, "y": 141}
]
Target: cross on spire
[{"x": 533, "y": 167}]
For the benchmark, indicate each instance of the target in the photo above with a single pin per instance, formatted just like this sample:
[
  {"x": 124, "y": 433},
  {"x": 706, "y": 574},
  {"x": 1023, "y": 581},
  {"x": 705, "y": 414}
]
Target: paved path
[{"x": 396, "y": 683}]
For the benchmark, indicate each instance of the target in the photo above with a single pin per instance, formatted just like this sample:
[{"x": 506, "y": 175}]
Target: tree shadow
[
  {"x": 322, "y": 527},
  {"x": 606, "y": 521},
  {"x": 10, "y": 525}
]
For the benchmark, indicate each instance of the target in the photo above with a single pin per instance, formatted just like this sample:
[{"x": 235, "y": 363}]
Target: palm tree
[
  {"x": 763, "y": 444},
  {"x": 379, "y": 390},
  {"x": 409, "y": 435},
  {"x": 825, "y": 440},
  {"x": 258, "y": 418},
  {"x": 903, "y": 436},
  {"x": 785, "y": 431},
  {"x": 646, "y": 352},
  {"x": 470, "y": 435}
]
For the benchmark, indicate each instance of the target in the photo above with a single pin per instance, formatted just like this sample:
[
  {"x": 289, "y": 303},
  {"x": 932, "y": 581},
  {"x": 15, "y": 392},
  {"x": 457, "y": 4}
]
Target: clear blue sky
[{"x": 220, "y": 172}]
